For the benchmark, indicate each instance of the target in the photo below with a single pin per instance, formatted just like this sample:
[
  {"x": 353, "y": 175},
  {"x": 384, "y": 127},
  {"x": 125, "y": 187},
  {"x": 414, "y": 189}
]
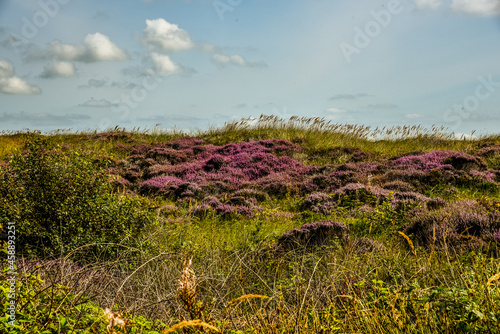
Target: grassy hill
[{"x": 260, "y": 226}]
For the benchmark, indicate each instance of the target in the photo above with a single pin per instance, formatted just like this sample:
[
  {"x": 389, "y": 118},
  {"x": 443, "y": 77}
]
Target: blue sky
[{"x": 89, "y": 65}]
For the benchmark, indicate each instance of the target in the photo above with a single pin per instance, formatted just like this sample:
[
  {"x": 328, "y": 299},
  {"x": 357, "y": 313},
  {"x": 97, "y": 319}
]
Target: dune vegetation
[{"x": 260, "y": 226}]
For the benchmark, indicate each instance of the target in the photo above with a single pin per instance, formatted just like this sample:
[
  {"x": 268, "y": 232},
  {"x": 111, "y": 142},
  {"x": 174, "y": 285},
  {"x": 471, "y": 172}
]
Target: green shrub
[{"x": 61, "y": 201}]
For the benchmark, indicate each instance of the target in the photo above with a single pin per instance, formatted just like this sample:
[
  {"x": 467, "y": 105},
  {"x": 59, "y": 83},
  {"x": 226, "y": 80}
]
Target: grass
[{"x": 227, "y": 274}]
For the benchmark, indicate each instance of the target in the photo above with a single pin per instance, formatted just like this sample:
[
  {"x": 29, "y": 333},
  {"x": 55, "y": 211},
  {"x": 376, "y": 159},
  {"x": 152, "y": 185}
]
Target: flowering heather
[
  {"x": 227, "y": 210},
  {"x": 188, "y": 190},
  {"x": 319, "y": 202},
  {"x": 497, "y": 236},
  {"x": 266, "y": 146},
  {"x": 361, "y": 193},
  {"x": 314, "y": 234},
  {"x": 488, "y": 175},
  {"x": 454, "y": 225},
  {"x": 160, "y": 183},
  {"x": 277, "y": 185},
  {"x": 168, "y": 154},
  {"x": 436, "y": 203},
  {"x": 489, "y": 151},
  {"x": 443, "y": 160},
  {"x": 318, "y": 183},
  {"x": 120, "y": 181},
  {"x": 215, "y": 163},
  {"x": 258, "y": 195},
  {"x": 398, "y": 186},
  {"x": 185, "y": 142},
  {"x": 168, "y": 209},
  {"x": 211, "y": 201},
  {"x": 241, "y": 200}
]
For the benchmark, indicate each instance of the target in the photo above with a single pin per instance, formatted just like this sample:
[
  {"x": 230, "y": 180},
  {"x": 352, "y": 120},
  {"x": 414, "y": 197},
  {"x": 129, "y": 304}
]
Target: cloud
[
  {"x": 94, "y": 83},
  {"x": 477, "y": 7},
  {"x": 161, "y": 65},
  {"x": 95, "y": 48},
  {"x": 208, "y": 48},
  {"x": 348, "y": 96},
  {"x": 57, "y": 69},
  {"x": 237, "y": 60},
  {"x": 335, "y": 110},
  {"x": 162, "y": 36},
  {"x": 413, "y": 116},
  {"x": 383, "y": 106},
  {"x": 93, "y": 103},
  {"x": 428, "y": 4},
  {"x": 465, "y": 136},
  {"x": 6, "y": 69},
  {"x": 10, "y": 84}
]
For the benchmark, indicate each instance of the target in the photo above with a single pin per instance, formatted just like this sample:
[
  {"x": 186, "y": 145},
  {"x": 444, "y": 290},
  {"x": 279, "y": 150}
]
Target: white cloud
[
  {"x": 6, "y": 69},
  {"x": 465, "y": 136},
  {"x": 162, "y": 36},
  {"x": 57, "y": 69},
  {"x": 96, "y": 47},
  {"x": 413, "y": 116},
  {"x": 237, "y": 60},
  {"x": 10, "y": 84},
  {"x": 335, "y": 110},
  {"x": 93, "y": 103},
  {"x": 477, "y": 7},
  {"x": 162, "y": 65},
  {"x": 99, "y": 47},
  {"x": 428, "y": 4}
]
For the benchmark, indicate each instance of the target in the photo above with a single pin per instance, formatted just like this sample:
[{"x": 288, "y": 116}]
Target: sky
[{"x": 195, "y": 64}]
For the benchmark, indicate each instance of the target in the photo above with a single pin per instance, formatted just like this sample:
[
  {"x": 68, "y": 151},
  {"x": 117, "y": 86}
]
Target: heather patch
[
  {"x": 398, "y": 186},
  {"x": 319, "y": 203},
  {"x": 160, "y": 184},
  {"x": 457, "y": 224},
  {"x": 442, "y": 160},
  {"x": 248, "y": 193},
  {"x": 215, "y": 169},
  {"x": 314, "y": 234}
]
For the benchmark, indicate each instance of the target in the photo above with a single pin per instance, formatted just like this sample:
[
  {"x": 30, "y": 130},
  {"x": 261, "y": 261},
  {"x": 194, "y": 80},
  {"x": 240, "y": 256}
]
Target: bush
[
  {"x": 61, "y": 201},
  {"x": 464, "y": 223},
  {"x": 314, "y": 234}
]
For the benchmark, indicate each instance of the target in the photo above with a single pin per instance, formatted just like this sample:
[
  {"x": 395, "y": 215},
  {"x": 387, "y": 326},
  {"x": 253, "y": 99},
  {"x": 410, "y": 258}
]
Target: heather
[{"x": 268, "y": 226}]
